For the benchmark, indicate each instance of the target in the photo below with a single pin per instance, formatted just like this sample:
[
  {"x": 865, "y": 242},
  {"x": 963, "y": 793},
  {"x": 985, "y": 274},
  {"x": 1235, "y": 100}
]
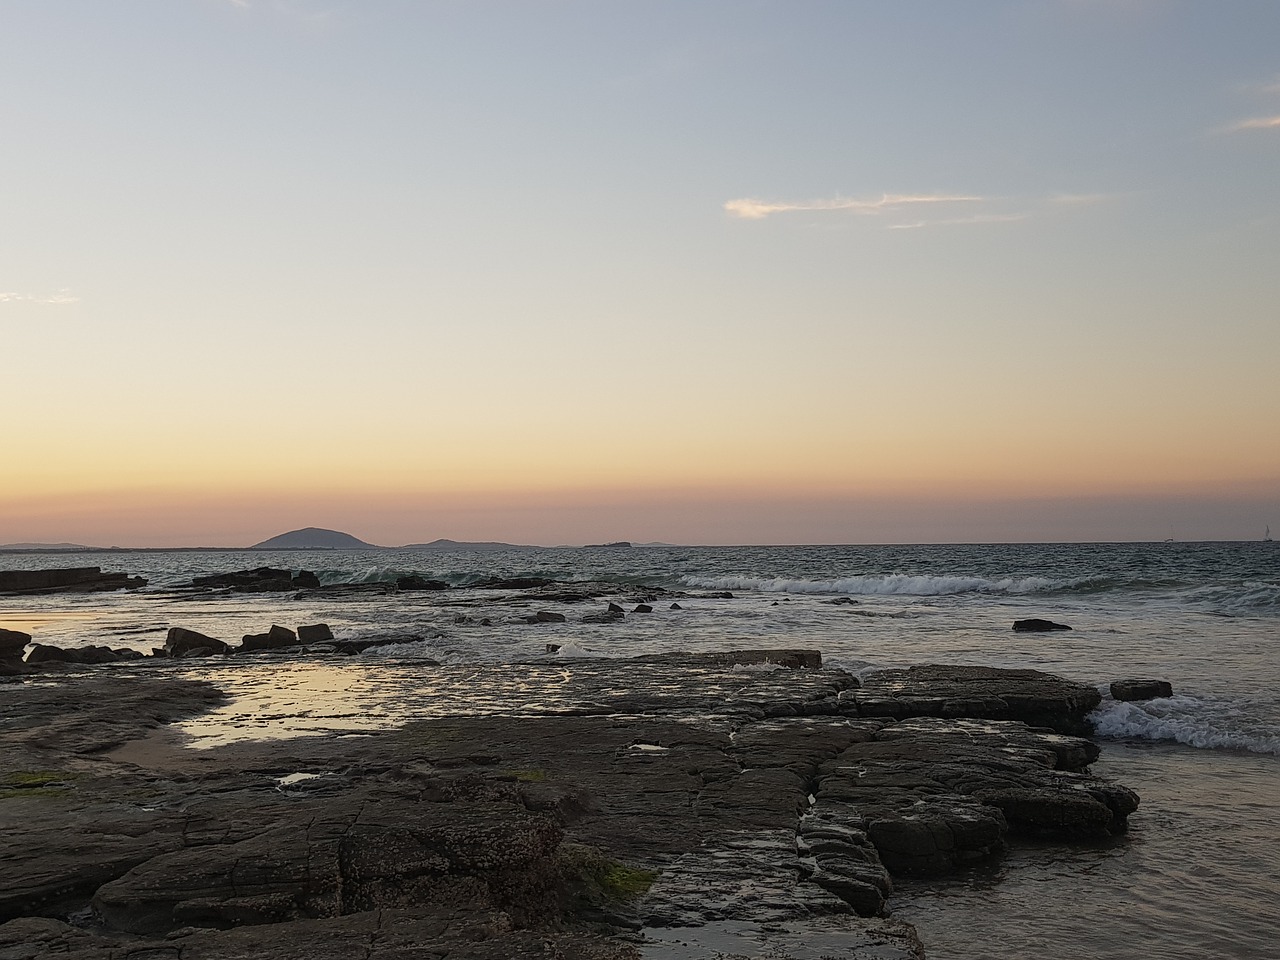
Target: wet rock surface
[
  {"x": 669, "y": 806},
  {"x": 958, "y": 692}
]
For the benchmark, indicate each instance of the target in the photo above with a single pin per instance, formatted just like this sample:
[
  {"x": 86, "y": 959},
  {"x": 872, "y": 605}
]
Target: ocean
[{"x": 1198, "y": 874}]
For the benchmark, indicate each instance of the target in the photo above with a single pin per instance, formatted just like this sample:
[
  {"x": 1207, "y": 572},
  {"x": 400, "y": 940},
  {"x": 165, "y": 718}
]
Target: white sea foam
[
  {"x": 1196, "y": 722},
  {"x": 895, "y": 584}
]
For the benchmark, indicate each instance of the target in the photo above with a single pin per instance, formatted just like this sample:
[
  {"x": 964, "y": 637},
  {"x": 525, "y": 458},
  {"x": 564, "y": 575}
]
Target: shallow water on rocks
[{"x": 1197, "y": 875}]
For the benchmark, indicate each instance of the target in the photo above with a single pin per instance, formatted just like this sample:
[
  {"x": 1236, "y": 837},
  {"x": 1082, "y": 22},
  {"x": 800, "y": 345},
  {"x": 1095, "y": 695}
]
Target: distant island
[
  {"x": 40, "y": 547},
  {"x": 443, "y": 544},
  {"x": 314, "y": 538}
]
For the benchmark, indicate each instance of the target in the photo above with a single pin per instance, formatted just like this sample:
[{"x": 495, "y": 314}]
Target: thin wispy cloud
[
  {"x": 1256, "y": 123},
  {"x": 748, "y": 208},
  {"x": 908, "y": 211},
  {"x": 60, "y": 298},
  {"x": 955, "y": 221}
]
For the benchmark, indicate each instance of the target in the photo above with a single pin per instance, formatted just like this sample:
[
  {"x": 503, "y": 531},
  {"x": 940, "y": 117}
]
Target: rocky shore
[{"x": 739, "y": 805}]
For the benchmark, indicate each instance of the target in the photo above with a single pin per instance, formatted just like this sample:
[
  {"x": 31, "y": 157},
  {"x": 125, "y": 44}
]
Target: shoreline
[{"x": 667, "y": 804}]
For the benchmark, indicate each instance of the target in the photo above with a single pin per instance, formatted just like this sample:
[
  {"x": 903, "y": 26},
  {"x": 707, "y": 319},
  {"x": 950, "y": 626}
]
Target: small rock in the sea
[
  {"x": 314, "y": 633},
  {"x": 614, "y": 608},
  {"x": 1037, "y": 625},
  {"x": 840, "y": 601},
  {"x": 642, "y": 608},
  {"x": 547, "y": 616},
  {"x": 1140, "y": 689},
  {"x": 676, "y": 606},
  {"x": 553, "y": 648}
]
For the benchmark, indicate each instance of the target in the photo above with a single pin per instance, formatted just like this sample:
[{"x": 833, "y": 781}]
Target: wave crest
[{"x": 1187, "y": 720}]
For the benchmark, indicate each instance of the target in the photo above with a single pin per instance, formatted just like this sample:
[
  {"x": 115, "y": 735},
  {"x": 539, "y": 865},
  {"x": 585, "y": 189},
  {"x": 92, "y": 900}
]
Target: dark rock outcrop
[
  {"x": 1140, "y": 689},
  {"x": 67, "y": 580},
  {"x": 86, "y": 653},
  {"x": 258, "y": 580},
  {"x": 12, "y": 643},
  {"x": 276, "y": 638}
]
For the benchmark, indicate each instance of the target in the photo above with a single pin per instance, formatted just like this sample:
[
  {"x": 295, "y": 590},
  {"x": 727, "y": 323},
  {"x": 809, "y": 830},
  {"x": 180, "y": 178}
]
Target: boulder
[
  {"x": 1140, "y": 689},
  {"x": 676, "y": 606},
  {"x": 314, "y": 633},
  {"x": 548, "y": 616},
  {"x": 179, "y": 641},
  {"x": 642, "y": 608},
  {"x": 614, "y": 608},
  {"x": 12, "y": 643},
  {"x": 46, "y": 653},
  {"x": 274, "y": 639},
  {"x": 1037, "y": 625},
  {"x": 305, "y": 579}
]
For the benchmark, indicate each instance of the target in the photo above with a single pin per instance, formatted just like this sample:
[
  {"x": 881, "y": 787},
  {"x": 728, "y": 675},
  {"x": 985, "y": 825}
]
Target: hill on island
[
  {"x": 314, "y": 538},
  {"x": 443, "y": 544}
]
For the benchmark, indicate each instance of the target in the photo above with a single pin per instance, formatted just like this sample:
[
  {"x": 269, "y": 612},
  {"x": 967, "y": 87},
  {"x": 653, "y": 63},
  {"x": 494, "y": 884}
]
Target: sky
[{"x": 730, "y": 271}]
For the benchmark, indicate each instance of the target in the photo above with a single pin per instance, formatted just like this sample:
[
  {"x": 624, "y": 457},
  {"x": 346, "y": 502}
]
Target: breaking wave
[
  {"x": 1203, "y": 723},
  {"x": 1251, "y": 598}
]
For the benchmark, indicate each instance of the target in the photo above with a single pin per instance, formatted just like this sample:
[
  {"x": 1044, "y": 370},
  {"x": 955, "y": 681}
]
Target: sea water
[{"x": 1198, "y": 875}]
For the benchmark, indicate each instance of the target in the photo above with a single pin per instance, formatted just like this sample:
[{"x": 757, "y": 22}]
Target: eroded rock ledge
[{"x": 716, "y": 794}]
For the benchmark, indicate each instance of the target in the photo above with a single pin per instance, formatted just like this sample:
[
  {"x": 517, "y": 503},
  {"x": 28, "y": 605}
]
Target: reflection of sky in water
[{"x": 280, "y": 700}]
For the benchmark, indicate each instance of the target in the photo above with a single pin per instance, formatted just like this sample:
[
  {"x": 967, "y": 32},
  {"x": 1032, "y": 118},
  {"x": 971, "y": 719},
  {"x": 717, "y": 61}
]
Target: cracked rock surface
[{"x": 663, "y": 807}]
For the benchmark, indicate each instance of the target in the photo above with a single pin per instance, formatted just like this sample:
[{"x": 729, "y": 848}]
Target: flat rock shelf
[{"x": 745, "y": 805}]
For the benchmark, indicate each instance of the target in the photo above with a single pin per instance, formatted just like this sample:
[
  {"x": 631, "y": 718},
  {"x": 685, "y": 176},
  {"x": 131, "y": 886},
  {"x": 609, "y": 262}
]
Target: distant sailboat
[{"x": 1266, "y": 537}]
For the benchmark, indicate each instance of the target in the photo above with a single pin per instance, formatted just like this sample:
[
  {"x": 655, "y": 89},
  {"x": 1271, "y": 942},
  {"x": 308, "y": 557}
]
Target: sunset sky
[{"x": 732, "y": 271}]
